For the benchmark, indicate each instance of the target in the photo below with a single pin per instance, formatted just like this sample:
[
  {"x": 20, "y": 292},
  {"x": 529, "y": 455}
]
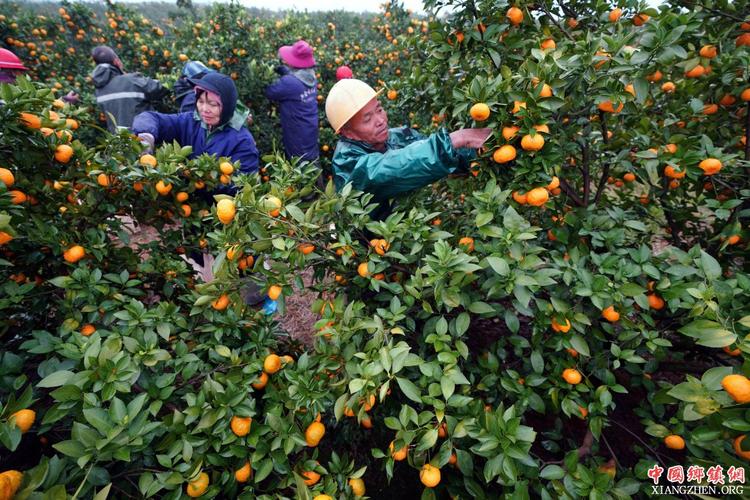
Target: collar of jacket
[{"x": 236, "y": 122}]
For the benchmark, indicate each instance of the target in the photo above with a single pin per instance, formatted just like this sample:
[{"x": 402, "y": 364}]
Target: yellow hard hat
[{"x": 345, "y": 100}]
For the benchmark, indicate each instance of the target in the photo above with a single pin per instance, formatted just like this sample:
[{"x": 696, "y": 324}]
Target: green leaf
[
  {"x": 61, "y": 281},
  {"x": 356, "y": 385},
  {"x": 481, "y": 308},
  {"x": 410, "y": 390},
  {"x": 103, "y": 493},
  {"x": 552, "y": 472},
  {"x": 484, "y": 218},
  {"x": 447, "y": 386},
  {"x": 70, "y": 448},
  {"x": 295, "y": 212},
  {"x": 56, "y": 379},
  {"x": 462, "y": 323},
  {"x": 708, "y": 333},
  {"x": 631, "y": 289},
  {"x": 579, "y": 344},
  {"x": 710, "y": 266},
  {"x": 537, "y": 363},
  {"x": 637, "y": 225},
  {"x": 499, "y": 265},
  {"x": 264, "y": 469},
  {"x": 223, "y": 351}
]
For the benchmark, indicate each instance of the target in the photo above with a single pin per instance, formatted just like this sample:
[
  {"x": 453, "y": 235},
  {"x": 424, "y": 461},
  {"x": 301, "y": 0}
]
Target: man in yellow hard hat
[{"x": 388, "y": 162}]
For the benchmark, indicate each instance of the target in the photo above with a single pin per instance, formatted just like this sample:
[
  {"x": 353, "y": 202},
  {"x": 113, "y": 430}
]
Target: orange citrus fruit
[
  {"x": 610, "y": 314},
  {"x": 738, "y": 387},
  {"x": 504, "y": 154},
  {"x": 710, "y": 166},
  {"x": 197, "y": 487},
  {"x": 467, "y": 243},
  {"x": 272, "y": 364},
  {"x": 63, "y": 153},
  {"x": 564, "y": 328},
  {"x": 240, "y": 425},
  {"x": 738, "y": 447},
  {"x": 515, "y": 16},
  {"x": 24, "y": 419},
  {"x": 6, "y": 177},
  {"x": 74, "y": 254},
  {"x": 261, "y": 382},
  {"x": 242, "y": 475},
  {"x": 537, "y": 197},
  {"x": 358, "y": 486},
  {"x": 314, "y": 433},
  {"x": 674, "y": 442},
  {"x": 226, "y": 168},
  {"x": 225, "y": 210},
  {"x": 572, "y": 376},
  {"x": 310, "y": 477},
  {"x": 655, "y": 302},
  {"x": 221, "y": 303},
  {"x": 274, "y": 292},
  {"x": 479, "y": 112},
  {"x": 532, "y": 142},
  {"x": 398, "y": 455},
  {"x": 163, "y": 188},
  {"x": 430, "y": 475}
]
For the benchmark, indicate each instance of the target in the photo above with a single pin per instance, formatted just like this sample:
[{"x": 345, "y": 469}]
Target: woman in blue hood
[{"x": 216, "y": 127}]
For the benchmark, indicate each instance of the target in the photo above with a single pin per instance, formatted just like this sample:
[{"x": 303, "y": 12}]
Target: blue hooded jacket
[
  {"x": 229, "y": 138},
  {"x": 297, "y": 95}
]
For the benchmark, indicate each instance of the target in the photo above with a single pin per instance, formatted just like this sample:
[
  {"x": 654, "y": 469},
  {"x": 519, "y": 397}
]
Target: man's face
[{"x": 369, "y": 125}]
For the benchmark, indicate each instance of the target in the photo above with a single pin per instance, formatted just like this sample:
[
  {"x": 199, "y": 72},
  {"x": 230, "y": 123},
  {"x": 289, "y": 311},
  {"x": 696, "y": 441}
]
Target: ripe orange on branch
[
  {"x": 479, "y": 112},
  {"x": 572, "y": 376},
  {"x": 429, "y": 475},
  {"x": 240, "y": 425},
  {"x": 314, "y": 433},
  {"x": 738, "y": 388},
  {"x": 504, "y": 154},
  {"x": 24, "y": 419}
]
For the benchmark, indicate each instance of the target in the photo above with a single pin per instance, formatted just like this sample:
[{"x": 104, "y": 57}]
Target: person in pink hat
[
  {"x": 10, "y": 66},
  {"x": 343, "y": 72},
  {"x": 296, "y": 94}
]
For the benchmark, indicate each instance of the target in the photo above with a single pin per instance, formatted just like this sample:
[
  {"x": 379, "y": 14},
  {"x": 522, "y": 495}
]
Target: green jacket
[{"x": 410, "y": 161}]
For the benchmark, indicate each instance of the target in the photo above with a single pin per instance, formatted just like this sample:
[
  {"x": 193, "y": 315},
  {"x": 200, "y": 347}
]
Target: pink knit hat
[
  {"x": 299, "y": 55},
  {"x": 343, "y": 72}
]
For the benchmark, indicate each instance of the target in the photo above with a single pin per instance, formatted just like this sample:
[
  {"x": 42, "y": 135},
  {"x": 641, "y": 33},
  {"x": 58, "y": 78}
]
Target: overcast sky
[{"x": 354, "y": 5}]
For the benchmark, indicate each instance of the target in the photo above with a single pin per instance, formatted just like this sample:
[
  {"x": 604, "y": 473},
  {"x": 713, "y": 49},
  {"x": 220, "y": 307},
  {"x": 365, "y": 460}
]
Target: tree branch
[
  {"x": 555, "y": 22},
  {"x": 747, "y": 132},
  {"x": 605, "y": 169},
  {"x": 588, "y": 441},
  {"x": 570, "y": 192}
]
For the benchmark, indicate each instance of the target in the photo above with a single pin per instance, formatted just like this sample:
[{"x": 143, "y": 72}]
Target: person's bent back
[
  {"x": 214, "y": 128},
  {"x": 121, "y": 96}
]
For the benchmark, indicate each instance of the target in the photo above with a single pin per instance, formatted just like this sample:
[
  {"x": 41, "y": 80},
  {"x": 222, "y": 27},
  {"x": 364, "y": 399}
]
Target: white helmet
[{"x": 345, "y": 100}]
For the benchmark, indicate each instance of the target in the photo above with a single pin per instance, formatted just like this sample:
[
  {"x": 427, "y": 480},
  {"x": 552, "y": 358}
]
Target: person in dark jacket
[
  {"x": 215, "y": 127},
  {"x": 184, "y": 88},
  {"x": 389, "y": 162},
  {"x": 297, "y": 94},
  {"x": 121, "y": 96}
]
